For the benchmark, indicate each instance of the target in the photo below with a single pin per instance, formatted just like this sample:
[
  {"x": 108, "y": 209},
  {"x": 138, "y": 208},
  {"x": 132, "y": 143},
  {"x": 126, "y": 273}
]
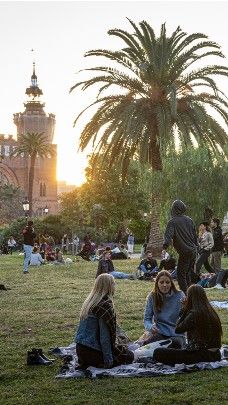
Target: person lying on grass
[
  {"x": 204, "y": 332},
  {"x": 105, "y": 265},
  {"x": 96, "y": 337},
  {"x": 162, "y": 310}
]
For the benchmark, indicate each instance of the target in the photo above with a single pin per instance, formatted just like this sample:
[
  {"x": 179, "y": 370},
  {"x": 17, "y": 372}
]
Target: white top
[
  {"x": 36, "y": 259},
  {"x": 165, "y": 256},
  {"x": 116, "y": 250},
  {"x": 206, "y": 241},
  {"x": 11, "y": 242}
]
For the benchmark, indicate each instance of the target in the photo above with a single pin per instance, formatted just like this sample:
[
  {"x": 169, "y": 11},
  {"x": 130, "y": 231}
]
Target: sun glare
[{"x": 71, "y": 167}]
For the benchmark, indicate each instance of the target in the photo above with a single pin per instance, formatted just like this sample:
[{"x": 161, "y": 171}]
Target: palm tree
[
  {"x": 33, "y": 145},
  {"x": 152, "y": 97}
]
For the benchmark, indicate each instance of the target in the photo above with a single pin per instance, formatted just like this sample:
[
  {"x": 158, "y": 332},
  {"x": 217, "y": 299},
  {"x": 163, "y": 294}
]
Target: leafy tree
[
  {"x": 196, "y": 179},
  {"x": 14, "y": 229},
  {"x": 118, "y": 201},
  {"x": 10, "y": 203},
  {"x": 72, "y": 211},
  {"x": 152, "y": 93},
  {"x": 105, "y": 203},
  {"x": 52, "y": 225},
  {"x": 33, "y": 145}
]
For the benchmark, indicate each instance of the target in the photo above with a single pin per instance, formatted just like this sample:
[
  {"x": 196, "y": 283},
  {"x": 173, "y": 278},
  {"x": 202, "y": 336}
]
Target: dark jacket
[
  {"x": 181, "y": 230},
  {"x": 218, "y": 240},
  {"x": 149, "y": 264},
  {"x": 188, "y": 323},
  {"x": 29, "y": 235},
  {"x": 104, "y": 266}
]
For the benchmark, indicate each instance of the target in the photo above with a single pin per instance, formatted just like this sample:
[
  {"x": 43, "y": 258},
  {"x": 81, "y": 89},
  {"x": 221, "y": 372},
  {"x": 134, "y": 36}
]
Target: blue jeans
[
  {"x": 27, "y": 256},
  {"x": 119, "y": 274},
  {"x": 144, "y": 269}
]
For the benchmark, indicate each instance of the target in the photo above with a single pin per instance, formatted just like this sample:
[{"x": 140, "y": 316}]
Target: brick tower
[{"x": 35, "y": 120}]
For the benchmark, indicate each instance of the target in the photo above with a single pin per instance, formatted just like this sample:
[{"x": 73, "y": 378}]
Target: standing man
[
  {"x": 181, "y": 230},
  {"x": 130, "y": 243},
  {"x": 217, "y": 250},
  {"x": 29, "y": 236}
]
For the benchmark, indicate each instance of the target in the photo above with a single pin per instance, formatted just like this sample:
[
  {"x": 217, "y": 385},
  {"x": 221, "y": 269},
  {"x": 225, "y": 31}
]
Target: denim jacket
[{"x": 93, "y": 332}]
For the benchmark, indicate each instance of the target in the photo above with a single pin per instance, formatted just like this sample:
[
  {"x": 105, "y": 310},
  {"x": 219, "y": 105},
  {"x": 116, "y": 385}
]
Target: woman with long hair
[
  {"x": 162, "y": 310},
  {"x": 206, "y": 243},
  {"x": 204, "y": 332},
  {"x": 96, "y": 338}
]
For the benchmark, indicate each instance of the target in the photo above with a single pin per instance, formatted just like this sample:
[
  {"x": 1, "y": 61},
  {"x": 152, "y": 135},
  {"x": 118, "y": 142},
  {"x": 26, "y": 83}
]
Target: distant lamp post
[
  {"x": 26, "y": 207},
  {"x": 46, "y": 209}
]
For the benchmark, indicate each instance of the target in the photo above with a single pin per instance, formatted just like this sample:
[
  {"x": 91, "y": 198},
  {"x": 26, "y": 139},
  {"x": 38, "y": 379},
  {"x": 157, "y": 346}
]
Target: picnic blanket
[
  {"x": 220, "y": 304},
  {"x": 143, "y": 369}
]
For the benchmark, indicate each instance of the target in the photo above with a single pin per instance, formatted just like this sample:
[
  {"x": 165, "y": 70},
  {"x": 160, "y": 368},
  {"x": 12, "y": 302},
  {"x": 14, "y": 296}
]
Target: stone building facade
[{"x": 15, "y": 170}]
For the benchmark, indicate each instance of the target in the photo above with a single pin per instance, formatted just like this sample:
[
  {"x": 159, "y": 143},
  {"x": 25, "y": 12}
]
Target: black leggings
[
  {"x": 175, "y": 356},
  {"x": 203, "y": 259},
  {"x": 90, "y": 357}
]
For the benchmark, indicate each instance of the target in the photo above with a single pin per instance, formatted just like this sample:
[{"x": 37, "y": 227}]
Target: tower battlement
[{"x": 8, "y": 138}]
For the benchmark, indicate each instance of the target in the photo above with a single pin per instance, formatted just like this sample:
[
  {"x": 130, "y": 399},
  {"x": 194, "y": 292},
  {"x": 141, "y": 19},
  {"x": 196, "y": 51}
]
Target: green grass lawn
[{"x": 42, "y": 310}]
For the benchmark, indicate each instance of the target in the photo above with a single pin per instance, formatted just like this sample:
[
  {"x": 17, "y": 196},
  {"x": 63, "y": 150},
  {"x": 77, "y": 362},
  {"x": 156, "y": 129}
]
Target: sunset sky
[{"x": 60, "y": 33}]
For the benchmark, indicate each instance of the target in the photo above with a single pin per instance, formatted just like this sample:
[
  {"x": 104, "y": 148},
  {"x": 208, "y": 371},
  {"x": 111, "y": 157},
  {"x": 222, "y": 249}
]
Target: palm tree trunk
[
  {"x": 30, "y": 185},
  {"x": 156, "y": 237}
]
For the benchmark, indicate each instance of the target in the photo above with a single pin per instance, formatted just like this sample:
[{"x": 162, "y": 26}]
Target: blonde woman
[{"x": 96, "y": 337}]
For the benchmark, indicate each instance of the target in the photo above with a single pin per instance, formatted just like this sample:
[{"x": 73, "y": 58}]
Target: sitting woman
[
  {"x": 96, "y": 337},
  {"x": 59, "y": 257},
  {"x": 50, "y": 255},
  {"x": 162, "y": 311},
  {"x": 203, "y": 328},
  {"x": 36, "y": 258}
]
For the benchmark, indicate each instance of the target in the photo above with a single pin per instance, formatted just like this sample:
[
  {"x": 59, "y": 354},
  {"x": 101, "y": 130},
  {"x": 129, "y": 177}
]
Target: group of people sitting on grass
[
  {"x": 51, "y": 256},
  {"x": 149, "y": 268},
  {"x": 188, "y": 321}
]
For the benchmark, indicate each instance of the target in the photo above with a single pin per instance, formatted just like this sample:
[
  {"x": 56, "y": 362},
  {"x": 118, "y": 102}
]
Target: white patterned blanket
[{"x": 69, "y": 368}]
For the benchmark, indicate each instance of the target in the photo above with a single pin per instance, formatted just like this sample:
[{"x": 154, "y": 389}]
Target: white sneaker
[{"x": 219, "y": 287}]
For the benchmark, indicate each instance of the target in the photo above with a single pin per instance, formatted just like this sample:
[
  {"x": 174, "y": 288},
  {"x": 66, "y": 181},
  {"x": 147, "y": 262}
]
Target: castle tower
[{"x": 35, "y": 120}]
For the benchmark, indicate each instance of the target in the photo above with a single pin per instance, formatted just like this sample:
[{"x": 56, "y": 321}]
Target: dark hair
[
  {"x": 216, "y": 220},
  {"x": 57, "y": 250},
  {"x": 122, "y": 246},
  {"x": 206, "y": 316},
  {"x": 30, "y": 223},
  {"x": 107, "y": 249},
  {"x": 148, "y": 251},
  {"x": 158, "y": 297},
  {"x": 35, "y": 249},
  {"x": 206, "y": 224}
]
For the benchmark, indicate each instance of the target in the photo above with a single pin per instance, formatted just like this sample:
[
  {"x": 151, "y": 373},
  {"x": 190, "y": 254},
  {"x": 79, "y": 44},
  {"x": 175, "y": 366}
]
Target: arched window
[{"x": 43, "y": 190}]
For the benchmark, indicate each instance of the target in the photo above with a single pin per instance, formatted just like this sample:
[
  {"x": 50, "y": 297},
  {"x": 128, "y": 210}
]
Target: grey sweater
[{"x": 206, "y": 241}]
